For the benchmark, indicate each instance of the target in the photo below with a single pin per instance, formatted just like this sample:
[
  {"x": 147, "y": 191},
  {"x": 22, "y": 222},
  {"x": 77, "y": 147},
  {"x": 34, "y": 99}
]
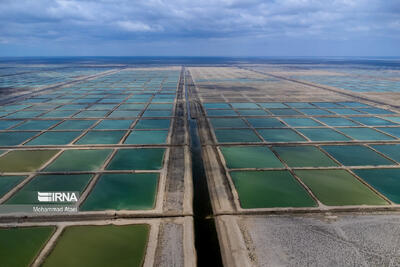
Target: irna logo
[{"x": 57, "y": 196}]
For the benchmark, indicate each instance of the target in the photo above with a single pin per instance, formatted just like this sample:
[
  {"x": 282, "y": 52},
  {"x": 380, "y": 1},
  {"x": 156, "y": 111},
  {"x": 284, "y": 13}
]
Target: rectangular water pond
[
  {"x": 245, "y": 105},
  {"x": 79, "y": 160},
  {"x": 114, "y": 124},
  {"x": 394, "y": 131},
  {"x": 20, "y": 246},
  {"x": 338, "y": 188},
  {"x": 353, "y": 104},
  {"x": 91, "y": 114},
  {"x": 24, "y": 114},
  {"x": 356, "y": 155},
  {"x": 53, "y": 138},
  {"x": 345, "y": 111},
  {"x": 250, "y": 157},
  {"x": 270, "y": 189},
  {"x": 102, "y": 107},
  {"x": 299, "y": 105},
  {"x": 272, "y": 105},
  {"x": 252, "y": 112},
  {"x": 121, "y": 245},
  {"x": 101, "y": 138},
  {"x": 147, "y": 137},
  {"x": 336, "y": 121},
  {"x": 323, "y": 134},
  {"x": 301, "y": 122},
  {"x": 25, "y": 160},
  {"x": 160, "y": 106},
  {"x": 59, "y": 114},
  {"x": 365, "y": 134},
  {"x": 284, "y": 111},
  {"x": 49, "y": 183},
  {"x": 15, "y": 138},
  {"x": 236, "y": 136},
  {"x": 228, "y": 123},
  {"x": 131, "y": 106},
  {"x": 304, "y": 156},
  {"x": 124, "y": 114},
  {"x": 385, "y": 181},
  {"x": 216, "y": 105},
  {"x": 221, "y": 112},
  {"x": 75, "y": 125},
  {"x": 73, "y": 107},
  {"x": 372, "y": 121},
  {"x": 395, "y": 119},
  {"x": 326, "y": 104},
  {"x": 392, "y": 150},
  {"x": 314, "y": 111},
  {"x": 376, "y": 111},
  {"x": 5, "y": 124},
  {"x": 281, "y": 135},
  {"x": 36, "y": 125},
  {"x": 123, "y": 192},
  {"x": 153, "y": 124},
  {"x": 8, "y": 182},
  {"x": 137, "y": 159},
  {"x": 157, "y": 113},
  {"x": 265, "y": 123}
]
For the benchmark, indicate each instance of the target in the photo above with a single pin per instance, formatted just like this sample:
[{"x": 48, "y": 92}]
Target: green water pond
[
  {"x": 270, "y": 189},
  {"x": 79, "y": 160},
  {"x": 123, "y": 192},
  {"x": 137, "y": 159},
  {"x": 20, "y": 246},
  {"x": 100, "y": 245},
  {"x": 356, "y": 155},
  {"x": 250, "y": 157},
  {"x": 304, "y": 156},
  {"x": 25, "y": 160},
  {"x": 386, "y": 181},
  {"x": 236, "y": 136},
  {"x": 280, "y": 135},
  {"x": 101, "y": 137},
  {"x": 8, "y": 182},
  {"x": 338, "y": 187},
  {"x": 147, "y": 137},
  {"x": 49, "y": 183}
]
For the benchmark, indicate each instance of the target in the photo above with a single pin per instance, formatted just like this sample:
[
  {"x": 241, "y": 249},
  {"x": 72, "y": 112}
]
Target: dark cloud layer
[{"x": 211, "y": 27}]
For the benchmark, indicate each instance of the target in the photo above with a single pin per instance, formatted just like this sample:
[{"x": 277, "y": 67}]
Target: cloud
[
  {"x": 136, "y": 26},
  {"x": 105, "y": 21}
]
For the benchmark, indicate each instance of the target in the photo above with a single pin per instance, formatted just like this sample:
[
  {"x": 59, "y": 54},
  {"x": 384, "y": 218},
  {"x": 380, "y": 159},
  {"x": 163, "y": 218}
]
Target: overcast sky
[{"x": 200, "y": 28}]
